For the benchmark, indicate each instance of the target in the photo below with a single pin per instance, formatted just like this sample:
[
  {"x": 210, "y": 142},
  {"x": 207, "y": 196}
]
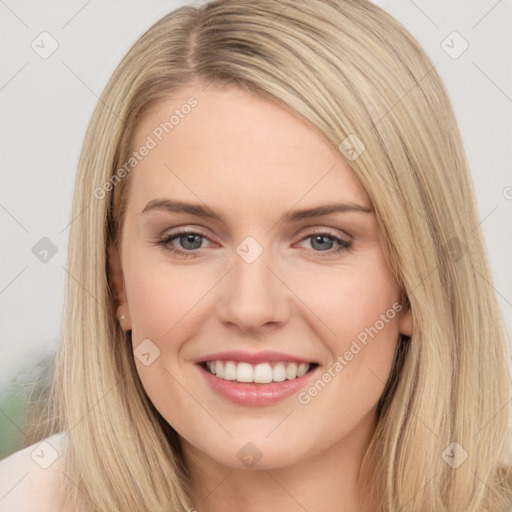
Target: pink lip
[
  {"x": 253, "y": 357},
  {"x": 255, "y": 395}
]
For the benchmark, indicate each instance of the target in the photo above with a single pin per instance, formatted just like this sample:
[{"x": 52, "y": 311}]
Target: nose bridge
[{"x": 253, "y": 296}]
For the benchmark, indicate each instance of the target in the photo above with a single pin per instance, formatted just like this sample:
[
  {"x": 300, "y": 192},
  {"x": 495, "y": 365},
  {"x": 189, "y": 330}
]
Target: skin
[{"x": 252, "y": 160}]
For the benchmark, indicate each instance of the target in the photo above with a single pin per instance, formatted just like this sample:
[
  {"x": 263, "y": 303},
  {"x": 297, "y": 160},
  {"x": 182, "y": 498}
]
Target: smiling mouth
[{"x": 261, "y": 373}]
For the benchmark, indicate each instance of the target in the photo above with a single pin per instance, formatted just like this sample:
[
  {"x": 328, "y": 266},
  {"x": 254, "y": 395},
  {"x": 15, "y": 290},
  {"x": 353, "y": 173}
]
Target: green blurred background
[{"x": 22, "y": 406}]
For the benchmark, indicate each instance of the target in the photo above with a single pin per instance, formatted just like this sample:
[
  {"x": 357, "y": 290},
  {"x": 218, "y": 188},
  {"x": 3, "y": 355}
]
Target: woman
[{"x": 216, "y": 354}]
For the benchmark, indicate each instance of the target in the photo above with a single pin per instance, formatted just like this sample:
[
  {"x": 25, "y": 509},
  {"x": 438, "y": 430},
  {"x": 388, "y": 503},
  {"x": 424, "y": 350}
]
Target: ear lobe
[
  {"x": 117, "y": 282},
  {"x": 405, "y": 321}
]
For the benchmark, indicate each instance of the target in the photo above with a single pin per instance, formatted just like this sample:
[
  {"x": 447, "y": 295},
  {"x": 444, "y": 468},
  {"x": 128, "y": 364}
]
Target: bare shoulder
[{"x": 30, "y": 478}]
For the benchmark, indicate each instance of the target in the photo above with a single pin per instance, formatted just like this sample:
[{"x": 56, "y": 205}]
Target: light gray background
[{"x": 46, "y": 105}]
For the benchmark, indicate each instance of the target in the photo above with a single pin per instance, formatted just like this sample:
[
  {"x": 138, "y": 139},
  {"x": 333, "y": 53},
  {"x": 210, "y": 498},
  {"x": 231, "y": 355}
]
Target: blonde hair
[{"x": 351, "y": 70}]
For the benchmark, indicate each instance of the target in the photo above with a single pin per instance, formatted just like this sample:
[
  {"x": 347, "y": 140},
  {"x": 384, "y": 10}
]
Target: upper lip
[{"x": 253, "y": 357}]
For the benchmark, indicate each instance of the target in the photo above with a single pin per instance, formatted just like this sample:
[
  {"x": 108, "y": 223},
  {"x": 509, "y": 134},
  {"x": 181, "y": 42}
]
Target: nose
[{"x": 253, "y": 297}]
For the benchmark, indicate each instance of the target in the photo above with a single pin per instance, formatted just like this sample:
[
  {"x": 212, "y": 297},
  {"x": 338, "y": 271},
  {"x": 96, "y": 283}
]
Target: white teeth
[
  {"x": 291, "y": 371},
  {"x": 279, "y": 372},
  {"x": 244, "y": 372},
  {"x": 302, "y": 369},
  {"x": 219, "y": 369},
  {"x": 230, "y": 370},
  {"x": 261, "y": 373}
]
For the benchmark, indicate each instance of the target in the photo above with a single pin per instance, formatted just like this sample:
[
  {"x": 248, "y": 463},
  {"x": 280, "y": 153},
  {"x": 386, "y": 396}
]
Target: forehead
[{"x": 226, "y": 144}]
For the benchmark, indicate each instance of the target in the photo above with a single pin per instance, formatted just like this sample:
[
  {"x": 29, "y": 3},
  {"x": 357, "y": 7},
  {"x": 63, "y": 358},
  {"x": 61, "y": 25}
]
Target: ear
[
  {"x": 405, "y": 321},
  {"x": 118, "y": 286}
]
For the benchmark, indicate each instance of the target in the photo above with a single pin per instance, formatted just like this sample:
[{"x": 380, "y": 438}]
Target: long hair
[{"x": 347, "y": 67}]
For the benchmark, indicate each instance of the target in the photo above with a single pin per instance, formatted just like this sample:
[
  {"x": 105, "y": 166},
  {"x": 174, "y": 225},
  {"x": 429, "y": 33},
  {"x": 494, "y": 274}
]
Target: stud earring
[{"x": 120, "y": 317}]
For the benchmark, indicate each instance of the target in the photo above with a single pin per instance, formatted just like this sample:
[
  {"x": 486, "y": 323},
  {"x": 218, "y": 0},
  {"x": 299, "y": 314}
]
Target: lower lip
[{"x": 255, "y": 395}]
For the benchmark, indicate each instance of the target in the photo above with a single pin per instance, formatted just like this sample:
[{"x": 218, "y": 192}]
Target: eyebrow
[{"x": 198, "y": 210}]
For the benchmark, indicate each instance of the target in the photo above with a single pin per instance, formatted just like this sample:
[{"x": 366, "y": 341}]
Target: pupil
[
  {"x": 321, "y": 239},
  {"x": 190, "y": 239}
]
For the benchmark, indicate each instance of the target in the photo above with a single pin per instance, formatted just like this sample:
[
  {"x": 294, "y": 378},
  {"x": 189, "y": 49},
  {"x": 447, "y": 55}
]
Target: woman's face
[{"x": 263, "y": 289}]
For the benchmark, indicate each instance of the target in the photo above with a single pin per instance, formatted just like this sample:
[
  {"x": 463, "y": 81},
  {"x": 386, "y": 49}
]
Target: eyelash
[{"x": 165, "y": 241}]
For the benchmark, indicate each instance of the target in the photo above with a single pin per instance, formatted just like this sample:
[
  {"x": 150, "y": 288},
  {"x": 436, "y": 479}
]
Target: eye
[
  {"x": 190, "y": 241},
  {"x": 323, "y": 241}
]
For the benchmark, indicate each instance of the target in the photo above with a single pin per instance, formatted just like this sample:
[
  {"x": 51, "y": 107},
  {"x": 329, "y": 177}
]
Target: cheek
[
  {"x": 359, "y": 313},
  {"x": 370, "y": 314},
  {"x": 164, "y": 303},
  {"x": 356, "y": 376},
  {"x": 162, "y": 299},
  {"x": 349, "y": 302}
]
